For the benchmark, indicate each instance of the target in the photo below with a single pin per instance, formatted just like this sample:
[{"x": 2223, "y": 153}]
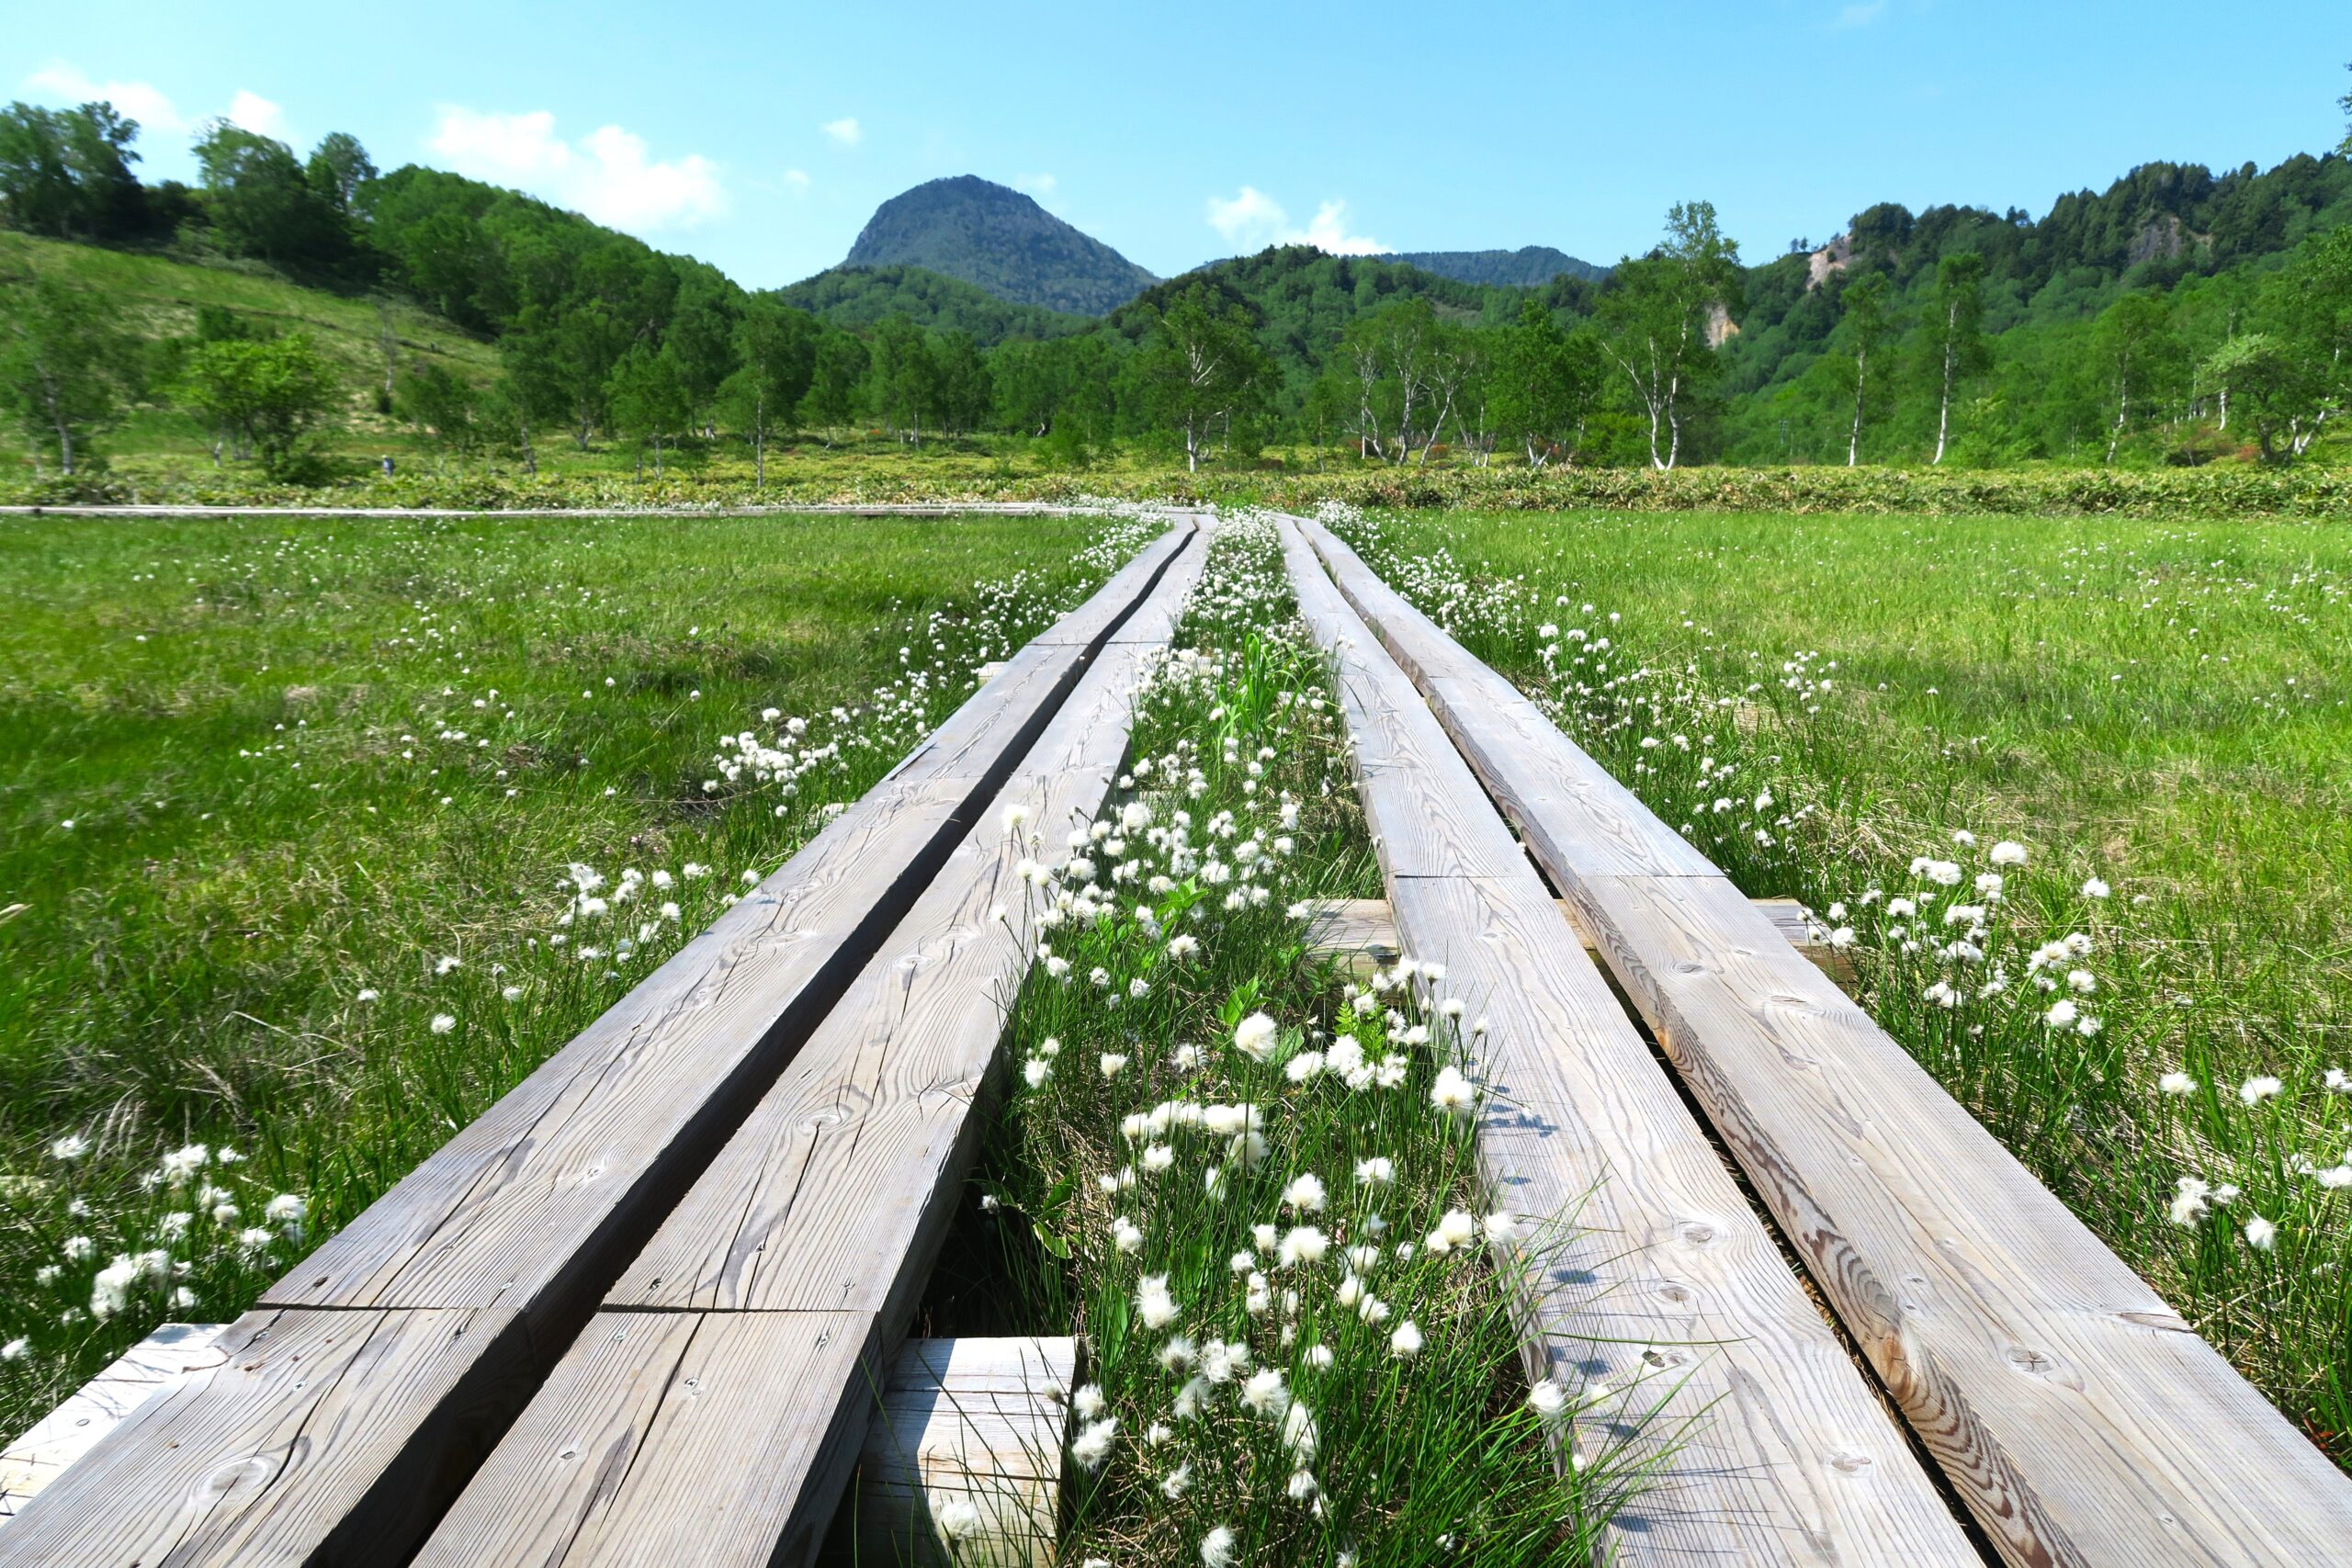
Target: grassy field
[
  {"x": 2156, "y": 719},
  {"x": 301, "y": 824}
]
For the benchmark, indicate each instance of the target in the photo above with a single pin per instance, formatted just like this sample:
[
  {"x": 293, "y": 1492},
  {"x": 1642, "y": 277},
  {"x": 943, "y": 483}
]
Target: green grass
[
  {"x": 260, "y": 780},
  {"x": 2163, "y": 707}
]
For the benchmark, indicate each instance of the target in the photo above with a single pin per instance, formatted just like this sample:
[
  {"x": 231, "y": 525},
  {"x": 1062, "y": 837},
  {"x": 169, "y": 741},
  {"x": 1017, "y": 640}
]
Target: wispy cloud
[
  {"x": 845, "y": 130},
  {"x": 142, "y": 101},
  {"x": 250, "y": 111},
  {"x": 796, "y": 181},
  {"x": 1038, "y": 185},
  {"x": 1859, "y": 15},
  {"x": 1254, "y": 220},
  {"x": 606, "y": 174}
]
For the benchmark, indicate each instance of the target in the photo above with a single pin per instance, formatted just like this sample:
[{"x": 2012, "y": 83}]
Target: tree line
[{"x": 2177, "y": 317}]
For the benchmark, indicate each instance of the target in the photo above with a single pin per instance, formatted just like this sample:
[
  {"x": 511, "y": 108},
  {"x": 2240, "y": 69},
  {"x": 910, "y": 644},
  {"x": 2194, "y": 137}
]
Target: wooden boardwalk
[
  {"x": 2079, "y": 1418},
  {"x": 645, "y": 1309},
  {"x": 1648, "y": 1271},
  {"x": 354, "y": 1401}
]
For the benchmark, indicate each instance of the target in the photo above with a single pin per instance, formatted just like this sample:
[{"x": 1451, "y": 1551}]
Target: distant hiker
[{"x": 388, "y": 465}]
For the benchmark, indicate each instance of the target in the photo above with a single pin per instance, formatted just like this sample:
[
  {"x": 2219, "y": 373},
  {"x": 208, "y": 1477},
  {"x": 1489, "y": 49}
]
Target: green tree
[
  {"x": 1867, "y": 323},
  {"x": 2345, "y": 103},
  {"x": 339, "y": 165},
  {"x": 443, "y": 407},
  {"x": 263, "y": 205},
  {"x": 775, "y": 350},
  {"x": 2132, "y": 341},
  {"x": 904, "y": 377},
  {"x": 1662, "y": 316},
  {"x": 2271, "y": 386},
  {"x": 962, "y": 377},
  {"x": 272, "y": 395},
  {"x": 1545, "y": 381},
  {"x": 839, "y": 371},
  {"x": 1201, "y": 365},
  {"x": 64, "y": 366},
  {"x": 66, "y": 173},
  {"x": 1953, "y": 336},
  {"x": 649, "y": 398}
]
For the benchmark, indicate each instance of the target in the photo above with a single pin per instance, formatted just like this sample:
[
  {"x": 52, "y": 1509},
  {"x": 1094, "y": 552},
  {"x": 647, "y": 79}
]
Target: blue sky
[{"x": 759, "y": 137}]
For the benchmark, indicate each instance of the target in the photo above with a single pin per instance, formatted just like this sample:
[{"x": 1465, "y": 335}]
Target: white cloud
[
  {"x": 796, "y": 181},
  {"x": 1254, "y": 220},
  {"x": 142, "y": 101},
  {"x": 846, "y": 131},
  {"x": 1035, "y": 185},
  {"x": 605, "y": 174},
  {"x": 1860, "y": 16},
  {"x": 250, "y": 111}
]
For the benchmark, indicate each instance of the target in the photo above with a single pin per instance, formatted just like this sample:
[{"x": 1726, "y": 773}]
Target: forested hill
[
  {"x": 1530, "y": 267},
  {"x": 984, "y": 233},
  {"x": 2177, "y": 243},
  {"x": 858, "y": 298}
]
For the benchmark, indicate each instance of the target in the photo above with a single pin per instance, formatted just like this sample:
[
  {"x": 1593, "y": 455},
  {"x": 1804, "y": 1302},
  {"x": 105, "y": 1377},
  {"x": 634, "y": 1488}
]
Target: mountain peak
[{"x": 999, "y": 240}]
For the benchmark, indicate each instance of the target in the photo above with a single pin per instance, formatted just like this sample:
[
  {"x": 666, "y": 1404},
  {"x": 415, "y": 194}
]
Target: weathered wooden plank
[
  {"x": 2078, "y": 1417},
  {"x": 163, "y": 1359},
  {"x": 1534, "y": 773},
  {"x": 1343, "y": 928},
  {"x": 1398, "y": 748},
  {"x": 827, "y": 1206},
  {"x": 655, "y": 1443},
  {"x": 2079, "y": 1414},
  {"x": 1094, "y": 621},
  {"x": 975, "y": 1421},
  {"x": 314, "y": 1437},
  {"x": 1647, "y": 1269},
  {"x": 527, "y": 1216}
]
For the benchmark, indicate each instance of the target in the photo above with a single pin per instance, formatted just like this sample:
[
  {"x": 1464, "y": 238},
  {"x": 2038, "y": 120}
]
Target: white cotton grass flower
[
  {"x": 1266, "y": 1393},
  {"x": 1255, "y": 1035},
  {"x": 2176, "y": 1083},
  {"x": 2007, "y": 853},
  {"x": 2095, "y": 888},
  {"x": 1549, "y": 1401},
  {"x": 1305, "y": 1194},
  {"x": 1218, "y": 1549},
  {"x": 1452, "y": 1093},
  {"x": 1154, "y": 1306},
  {"x": 958, "y": 1519},
  {"x": 72, "y": 1147},
  {"x": 1126, "y": 1236},
  {"x": 1113, "y": 1064},
  {"x": 1457, "y": 1229},
  {"x": 1089, "y": 1400},
  {"x": 444, "y": 1022},
  {"x": 1405, "y": 1343},
  {"x": 2260, "y": 1234},
  {"x": 1303, "y": 1244},
  {"x": 1378, "y": 1170},
  {"x": 2256, "y": 1089},
  {"x": 1091, "y": 1447}
]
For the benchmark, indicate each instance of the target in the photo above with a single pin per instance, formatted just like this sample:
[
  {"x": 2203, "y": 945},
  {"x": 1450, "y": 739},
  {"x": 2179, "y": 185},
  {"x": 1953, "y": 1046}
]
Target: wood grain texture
[
  {"x": 980, "y": 1421},
  {"x": 2078, "y": 1417},
  {"x": 1339, "y": 928},
  {"x": 1646, "y": 1268},
  {"x": 512, "y": 1231},
  {"x": 2078, "y": 1413},
  {"x": 1093, "y": 621},
  {"x": 313, "y": 1438},
  {"x": 656, "y": 1443},
  {"x": 163, "y": 1359},
  {"x": 825, "y": 1207}
]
